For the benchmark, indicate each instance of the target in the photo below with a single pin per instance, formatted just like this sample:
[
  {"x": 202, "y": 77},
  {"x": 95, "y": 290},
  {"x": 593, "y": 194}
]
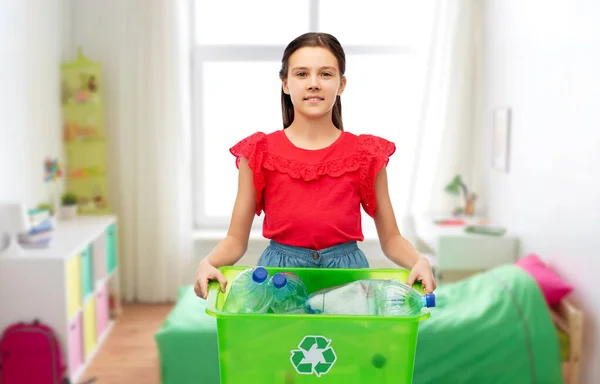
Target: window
[{"x": 237, "y": 48}]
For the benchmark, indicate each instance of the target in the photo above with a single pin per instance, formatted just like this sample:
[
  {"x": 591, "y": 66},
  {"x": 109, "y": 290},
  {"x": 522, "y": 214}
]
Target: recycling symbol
[{"x": 314, "y": 355}]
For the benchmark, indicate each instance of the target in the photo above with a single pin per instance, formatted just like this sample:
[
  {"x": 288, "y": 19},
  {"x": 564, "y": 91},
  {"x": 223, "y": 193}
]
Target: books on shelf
[{"x": 40, "y": 230}]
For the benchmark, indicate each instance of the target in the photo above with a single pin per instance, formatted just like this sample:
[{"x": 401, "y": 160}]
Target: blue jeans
[{"x": 346, "y": 255}]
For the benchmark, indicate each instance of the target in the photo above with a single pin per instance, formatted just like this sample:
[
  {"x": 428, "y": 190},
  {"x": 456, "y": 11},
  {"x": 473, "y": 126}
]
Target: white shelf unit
[{"x": 66, "y": 286}]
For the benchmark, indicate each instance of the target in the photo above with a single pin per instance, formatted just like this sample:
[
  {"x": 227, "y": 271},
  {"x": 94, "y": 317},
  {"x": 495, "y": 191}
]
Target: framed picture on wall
[{"x": 501, "y": 139}]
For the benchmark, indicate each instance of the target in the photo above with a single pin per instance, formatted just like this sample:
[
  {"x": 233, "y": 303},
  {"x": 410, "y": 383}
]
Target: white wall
[
  {"x": 33, "y": 38},
  {"x": 542, "y": 59}
]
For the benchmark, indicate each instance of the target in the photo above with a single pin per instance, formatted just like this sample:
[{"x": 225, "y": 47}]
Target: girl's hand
[
  {"x": 422, "y": 272},
  {"x": 205, "y": 273}
]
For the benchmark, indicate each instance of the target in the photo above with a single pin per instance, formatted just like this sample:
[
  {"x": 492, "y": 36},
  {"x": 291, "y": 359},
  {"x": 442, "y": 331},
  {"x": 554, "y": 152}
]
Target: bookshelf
[{"x": 72, "y": 285}]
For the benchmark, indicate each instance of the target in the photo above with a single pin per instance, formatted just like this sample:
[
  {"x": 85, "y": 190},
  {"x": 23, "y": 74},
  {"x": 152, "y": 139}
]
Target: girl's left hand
[{"x": 422, "y": 272}]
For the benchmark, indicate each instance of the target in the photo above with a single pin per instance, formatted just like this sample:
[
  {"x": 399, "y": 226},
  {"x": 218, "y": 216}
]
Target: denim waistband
[{"x": 339, "y": 250}]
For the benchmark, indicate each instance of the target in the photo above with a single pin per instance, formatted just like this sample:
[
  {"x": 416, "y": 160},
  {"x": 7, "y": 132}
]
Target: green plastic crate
[{"x": 274, "y": 348}]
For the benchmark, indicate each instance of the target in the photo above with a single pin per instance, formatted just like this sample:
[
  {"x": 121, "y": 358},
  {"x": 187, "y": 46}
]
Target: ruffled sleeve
[
  {"x": 254, "y": 149},
  {"x": 375, "y": 154}
]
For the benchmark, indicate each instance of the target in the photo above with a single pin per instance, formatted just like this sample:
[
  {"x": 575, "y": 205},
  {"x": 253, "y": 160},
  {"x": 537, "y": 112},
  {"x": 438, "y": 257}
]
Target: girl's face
[{"x": 313, "y": 81}]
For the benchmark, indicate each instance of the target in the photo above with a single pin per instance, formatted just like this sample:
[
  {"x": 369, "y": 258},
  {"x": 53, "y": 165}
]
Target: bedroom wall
[
  {"x": 34, "y": 35},
  {"x": 542, "y": 60}
]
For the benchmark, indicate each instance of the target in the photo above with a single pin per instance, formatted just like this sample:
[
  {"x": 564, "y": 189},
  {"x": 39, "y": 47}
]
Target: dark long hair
[{"x": 312, "y": 39}]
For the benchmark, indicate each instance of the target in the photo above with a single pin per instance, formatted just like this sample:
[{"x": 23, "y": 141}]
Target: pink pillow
[{"x": 553, "y": 287}]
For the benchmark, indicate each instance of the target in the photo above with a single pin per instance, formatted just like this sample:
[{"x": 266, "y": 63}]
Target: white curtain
[
  {"x": 143, "y": 46},
  {"x": 448, "y": 130}
]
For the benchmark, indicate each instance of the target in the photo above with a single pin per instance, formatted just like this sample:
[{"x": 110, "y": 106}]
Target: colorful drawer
[
  {"x": 89, "y": 325},
  {"x": 99, "y": 256},
  {"x": 102, "y": 312},
  {"x": 73, "y": 276},
  {"x": 75, "y": 336},
  {"x": 111, "y": 248},
  {"x": 87, "y": 272}
]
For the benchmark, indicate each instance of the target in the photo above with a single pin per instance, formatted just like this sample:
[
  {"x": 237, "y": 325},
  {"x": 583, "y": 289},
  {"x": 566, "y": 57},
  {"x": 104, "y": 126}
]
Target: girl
[{"x": 311, "y": 178}]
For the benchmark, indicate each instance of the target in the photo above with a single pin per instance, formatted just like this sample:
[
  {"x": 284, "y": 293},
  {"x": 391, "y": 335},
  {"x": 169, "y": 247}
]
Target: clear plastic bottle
[
  {"x": 249, "y": 292},
  {"x": 395, "y": 298},
  {"x": 369, "y": 297},
  {"x": 289, "y": 293},
  {"x": 354, "y": 298}
]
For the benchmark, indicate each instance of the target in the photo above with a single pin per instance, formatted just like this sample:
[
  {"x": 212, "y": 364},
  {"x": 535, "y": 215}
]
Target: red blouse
[{"x": 312, "y": 198}]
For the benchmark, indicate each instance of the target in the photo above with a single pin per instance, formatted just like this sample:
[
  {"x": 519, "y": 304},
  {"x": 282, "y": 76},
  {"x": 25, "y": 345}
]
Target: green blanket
[
  {"x": 490, "y": 328},
  {"x": 494, "y": 327}
]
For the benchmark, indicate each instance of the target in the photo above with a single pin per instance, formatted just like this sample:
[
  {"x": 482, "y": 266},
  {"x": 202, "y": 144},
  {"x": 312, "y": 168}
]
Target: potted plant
[
  {"x": 455, "y": 187},
  {"x": 68, "y": 206}
]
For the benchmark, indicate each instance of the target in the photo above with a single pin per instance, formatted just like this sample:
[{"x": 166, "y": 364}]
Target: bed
[
  {"x": 496, "y": 327},
  {"x": 460, "y": 343}
]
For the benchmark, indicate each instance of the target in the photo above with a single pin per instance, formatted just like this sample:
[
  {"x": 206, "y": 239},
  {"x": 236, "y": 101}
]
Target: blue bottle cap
[
  {"x": 279, "y": 280},
  {"x": 430, "y": 300},
  {"x": 259, "y": 275}
]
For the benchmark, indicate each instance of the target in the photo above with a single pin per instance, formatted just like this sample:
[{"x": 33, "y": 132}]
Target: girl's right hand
[{"x": 205, "y": 273}]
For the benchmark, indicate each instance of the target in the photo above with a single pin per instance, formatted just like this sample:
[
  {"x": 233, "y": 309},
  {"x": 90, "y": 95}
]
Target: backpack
[{"x": 31, "y": 353}]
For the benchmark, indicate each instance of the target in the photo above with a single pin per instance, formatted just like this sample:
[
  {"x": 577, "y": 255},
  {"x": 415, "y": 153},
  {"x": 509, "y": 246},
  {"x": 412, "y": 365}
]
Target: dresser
[{"x": 67, "y": 286}]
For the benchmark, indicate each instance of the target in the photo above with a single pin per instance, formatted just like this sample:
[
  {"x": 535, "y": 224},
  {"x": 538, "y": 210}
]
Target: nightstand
[{"x": 456, "y": 254}]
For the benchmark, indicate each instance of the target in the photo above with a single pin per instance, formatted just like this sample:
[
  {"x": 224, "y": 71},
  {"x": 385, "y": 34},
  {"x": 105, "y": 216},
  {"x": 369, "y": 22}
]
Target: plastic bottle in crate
[
  {"x": 395, "y": 298},
  {"x": 370, "y": 297},
  {"x": 289, "y": 293},
  {"x": 355, "y": 298},
  {"x": 249, "y": 292}
]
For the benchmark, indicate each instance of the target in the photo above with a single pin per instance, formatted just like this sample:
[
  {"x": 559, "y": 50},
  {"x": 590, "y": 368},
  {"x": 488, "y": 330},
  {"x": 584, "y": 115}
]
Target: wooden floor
[{"x": 129, "y": 353}]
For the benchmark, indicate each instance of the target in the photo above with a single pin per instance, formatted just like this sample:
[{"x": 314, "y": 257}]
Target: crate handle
[{"x": 211, "y": 299}]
